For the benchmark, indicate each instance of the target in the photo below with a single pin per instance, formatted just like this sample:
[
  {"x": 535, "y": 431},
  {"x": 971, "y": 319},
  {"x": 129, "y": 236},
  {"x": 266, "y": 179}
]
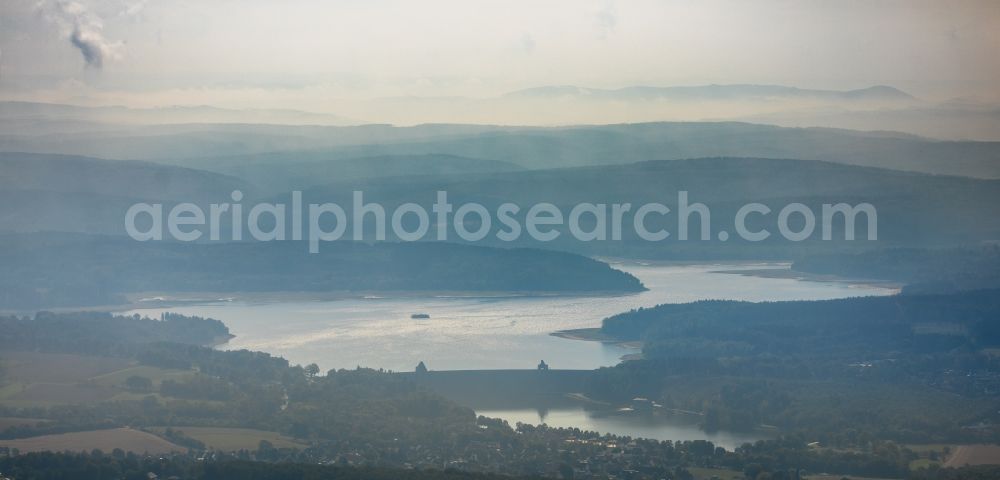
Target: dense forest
[
  {"x": 103, "y": 333},
  {"x": 42, "y": 271},
  {"x": 907, "y": 215},
  {"x": 914, "y": 323},
  {"x": 46, "y": 193},
  {"x": 119, "y": 465},
  {"x": 902, "y": 363},
  {"x": 127, "y": 466},
  {"x": 922, "y": 270}
]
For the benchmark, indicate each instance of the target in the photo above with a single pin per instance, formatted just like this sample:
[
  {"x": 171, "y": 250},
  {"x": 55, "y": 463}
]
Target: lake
[
  {"x": 475, "y": 332},
  {"x": 502, "y": 332},
  {"x": 674, "y": 427}
]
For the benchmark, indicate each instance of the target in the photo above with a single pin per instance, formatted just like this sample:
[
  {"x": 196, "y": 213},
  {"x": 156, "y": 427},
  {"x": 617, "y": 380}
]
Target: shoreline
[
  {"x": 774, "y": 270},
  {"x": 155, "y": 300},
  {"x": 790, "y": 274},
  {"x": 150, "y": 300},
  {"x": 169, "y": 299},
  {"x": 595, "y": 335}
]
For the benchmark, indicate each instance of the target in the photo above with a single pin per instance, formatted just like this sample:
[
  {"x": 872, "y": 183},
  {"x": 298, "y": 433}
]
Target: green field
[
  {"x": 927, "y": 448},
  {"x": 712, "y": 473},
  {"x": 923, "y": 463},
  {"x": 7, "y": 422},
  {"x": 33, "y": 367},
  {"x": 42, "y": 379},
  {"x": 156, "y": 374},
  {"x": 45, "y": 379},
  {"x": 230, "y": 439},
  {"x": 842, "y": 477}
]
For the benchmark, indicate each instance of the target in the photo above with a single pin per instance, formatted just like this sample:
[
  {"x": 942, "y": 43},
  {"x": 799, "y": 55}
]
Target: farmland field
[
  {"x": 106, "y": 440},
  {"x": 974, "y": 455},
  {"x": 32, "y": 367},
  {"x": 36, "y": 379}
]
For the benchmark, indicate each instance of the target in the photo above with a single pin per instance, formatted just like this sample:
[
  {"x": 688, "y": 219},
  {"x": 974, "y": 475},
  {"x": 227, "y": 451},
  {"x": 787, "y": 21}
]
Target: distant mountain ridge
[
  {"x": 716, "y": 92},
  {"x": 27, "y": 111},
  {"x": 287, "y": 171},
  {"x": 218, "y": 147},
  {"x": 87, "y": 175},
  {"x": 876, "y": 107}
]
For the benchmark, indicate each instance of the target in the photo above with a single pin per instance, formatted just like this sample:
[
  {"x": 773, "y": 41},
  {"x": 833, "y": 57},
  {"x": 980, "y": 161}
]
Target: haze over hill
[
  {"x": 879, "y": 107},
  {"x": 914, "y": 209},
  {"x": 876, "y": 95},
  {"x": 371, "y": 240},
  {"x": 50, "y": 270},
  {"x": 28, "y": 116},
  {"x": 137, "y": 179},
  {"x": 223, "y": 147},
  {"x": 288, "y": 171}
]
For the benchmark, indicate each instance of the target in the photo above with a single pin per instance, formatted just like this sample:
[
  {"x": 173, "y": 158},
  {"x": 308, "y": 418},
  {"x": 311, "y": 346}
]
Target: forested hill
[
  {"x": 922, "y": 270},
  {"x": 204, "y": 146},
  {"x": 912, "y": 209},
  {"x": 46, "y": 270},
  {"x": 104, "y": 334},
  {"x": 862, "y": 327},
  {"x": 911, "y": 368}
]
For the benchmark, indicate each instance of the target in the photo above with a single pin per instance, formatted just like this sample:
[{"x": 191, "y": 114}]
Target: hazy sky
[{"x": 298, "y": 53}]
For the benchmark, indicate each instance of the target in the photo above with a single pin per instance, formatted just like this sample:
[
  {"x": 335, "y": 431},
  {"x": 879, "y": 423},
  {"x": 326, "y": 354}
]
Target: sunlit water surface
[
  {"x": 498, "y": 332},
  {"x": 483, "y": 332},
  {"x": 675, "y": 428}
]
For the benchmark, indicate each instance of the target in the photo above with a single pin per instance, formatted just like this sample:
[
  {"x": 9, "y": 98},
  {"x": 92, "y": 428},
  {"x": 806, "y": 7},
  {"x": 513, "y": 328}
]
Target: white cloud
[{"x": 84, "y": 29}]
